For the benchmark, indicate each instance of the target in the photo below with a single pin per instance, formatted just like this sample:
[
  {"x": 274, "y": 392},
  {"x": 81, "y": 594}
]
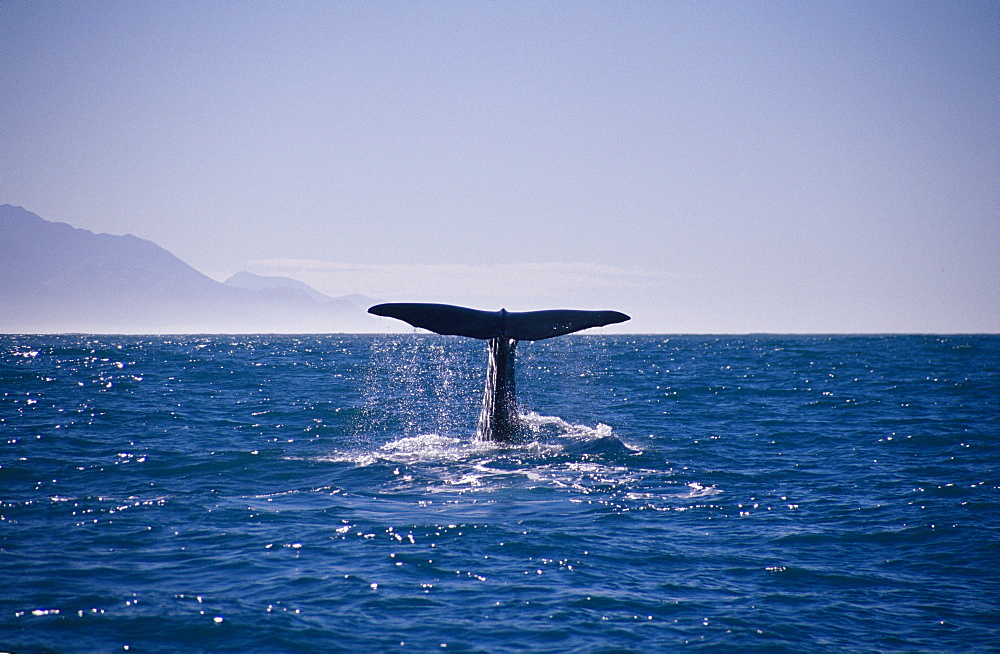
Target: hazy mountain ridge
[
  {"x": 254, "y": 282},
  {"x": 57, "y": 278}
]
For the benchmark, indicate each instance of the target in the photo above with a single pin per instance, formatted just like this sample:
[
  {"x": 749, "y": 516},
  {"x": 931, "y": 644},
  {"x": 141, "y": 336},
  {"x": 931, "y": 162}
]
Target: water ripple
[{"x": 304, "y": 493}]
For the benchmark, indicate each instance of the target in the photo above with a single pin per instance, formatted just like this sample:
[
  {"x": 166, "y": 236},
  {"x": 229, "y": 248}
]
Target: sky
[{"x": 706, "y": 167}]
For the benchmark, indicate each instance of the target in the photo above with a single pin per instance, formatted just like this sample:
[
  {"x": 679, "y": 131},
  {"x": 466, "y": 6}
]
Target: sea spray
[{"x": 498, "y": 417}]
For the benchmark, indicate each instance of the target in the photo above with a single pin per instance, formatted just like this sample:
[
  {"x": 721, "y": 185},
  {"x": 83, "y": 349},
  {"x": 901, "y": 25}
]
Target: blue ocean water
[{"x": 325, "y": 493}]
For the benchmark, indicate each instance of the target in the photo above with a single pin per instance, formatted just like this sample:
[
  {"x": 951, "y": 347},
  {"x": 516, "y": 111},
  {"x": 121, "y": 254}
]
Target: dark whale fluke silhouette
[{"x": 498, "y": 419}]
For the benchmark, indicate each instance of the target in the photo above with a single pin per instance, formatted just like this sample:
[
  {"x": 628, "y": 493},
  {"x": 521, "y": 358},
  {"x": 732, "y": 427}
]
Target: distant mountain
[
  {"x": 57, "y": 278},
  {"x": 259, "y": 282}
]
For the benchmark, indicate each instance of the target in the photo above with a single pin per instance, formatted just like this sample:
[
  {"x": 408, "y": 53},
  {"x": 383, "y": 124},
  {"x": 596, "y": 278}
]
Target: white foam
[
  {"x": 537, "y": 423},
  {"x": 549, "y": 435},
  {"x": 697, "y": 490}
]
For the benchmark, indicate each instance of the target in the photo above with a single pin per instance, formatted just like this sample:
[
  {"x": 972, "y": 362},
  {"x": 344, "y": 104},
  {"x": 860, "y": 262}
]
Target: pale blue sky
[{"x": 704, "y": 166}]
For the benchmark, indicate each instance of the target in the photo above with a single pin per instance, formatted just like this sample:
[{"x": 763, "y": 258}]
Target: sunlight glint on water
[{"x": 302, "y": 493}]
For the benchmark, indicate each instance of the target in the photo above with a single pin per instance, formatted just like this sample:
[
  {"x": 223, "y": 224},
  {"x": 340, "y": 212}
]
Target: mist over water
[{"x": 326, "y": 493}]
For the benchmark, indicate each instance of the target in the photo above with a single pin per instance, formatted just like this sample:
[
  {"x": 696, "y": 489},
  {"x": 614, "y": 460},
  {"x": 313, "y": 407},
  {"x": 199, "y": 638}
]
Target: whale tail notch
[{"x": 520, "y": 325}]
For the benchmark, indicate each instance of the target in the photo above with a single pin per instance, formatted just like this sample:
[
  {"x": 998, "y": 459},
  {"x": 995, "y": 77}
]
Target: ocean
[{"x": 325, "y": 493}]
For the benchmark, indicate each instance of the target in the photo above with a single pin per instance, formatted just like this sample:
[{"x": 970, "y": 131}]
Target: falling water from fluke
[{"x": 498, "y": 419}]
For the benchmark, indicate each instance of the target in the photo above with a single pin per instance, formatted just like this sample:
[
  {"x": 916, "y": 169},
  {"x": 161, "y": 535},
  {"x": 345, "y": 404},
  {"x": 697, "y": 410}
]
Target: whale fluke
[
  {"x": 498, "y": 418},
  {"x": 518, "y": 325}
]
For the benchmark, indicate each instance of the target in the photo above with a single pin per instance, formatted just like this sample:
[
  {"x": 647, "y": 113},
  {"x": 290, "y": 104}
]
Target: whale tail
[
  {"x": 498, "y": 419},
  {"x": 520, "y": 326}
]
